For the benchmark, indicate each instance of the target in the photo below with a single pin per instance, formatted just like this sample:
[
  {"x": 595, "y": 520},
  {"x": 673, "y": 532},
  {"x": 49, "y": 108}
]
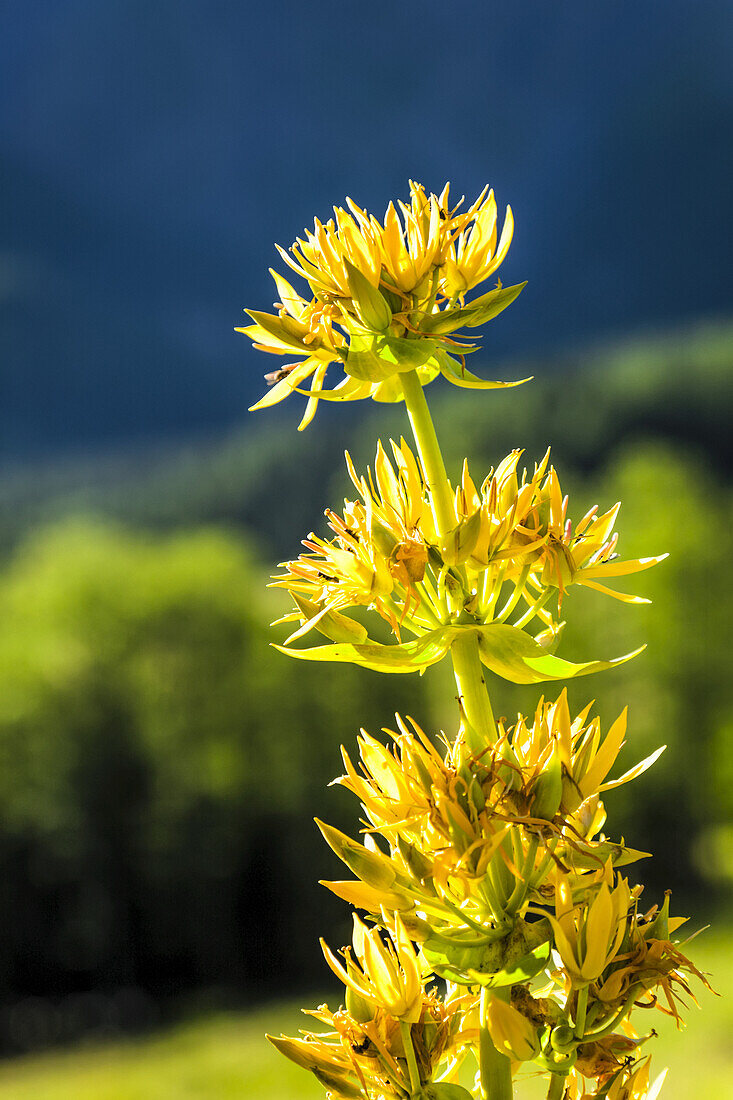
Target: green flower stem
[
  {"x": 488, "y": 600},
  {"x": 557, "y": 1087},
  {"x": 611, "y": 1024},
  {"x": 580, "y": 1012},
  {"x": 524, "y": 878},
  {"x": 515, "y": 596},
  {"x": 441, "y": 497},
  {"x": 495, "y": 1068},
  {"x": 410, "y": 1055},
  {"x": 472, "y": 694}
]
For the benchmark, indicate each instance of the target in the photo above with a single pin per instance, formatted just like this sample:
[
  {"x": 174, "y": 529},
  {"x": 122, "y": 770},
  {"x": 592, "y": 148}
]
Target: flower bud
[{"x": 370, "y": 867}]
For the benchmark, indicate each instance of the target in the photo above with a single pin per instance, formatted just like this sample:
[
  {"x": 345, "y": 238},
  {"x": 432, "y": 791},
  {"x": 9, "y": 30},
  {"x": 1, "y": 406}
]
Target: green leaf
[
  {"x": 529, "y": 966},
  {"x": 476, "y": 313},
  {"x": 486, "y": 307},
  {"x": 596, "y": 855},
  {"x": 458, "y": 375},
  {"x": 351, "y": 389},
  {"x": 284, "y": 331},
  {"x": 446, "y": 1090},
  {"x": 408, "y": 657},
  {"x": 456, "y": 963},
  {"x": 506, "y": 650},
  {"x": 332, "y": 624},
  {"x": 517, "y": 657}
]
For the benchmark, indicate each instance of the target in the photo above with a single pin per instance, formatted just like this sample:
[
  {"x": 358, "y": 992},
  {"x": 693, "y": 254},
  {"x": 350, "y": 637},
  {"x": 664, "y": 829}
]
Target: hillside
[{"x": 676, "y": 387}]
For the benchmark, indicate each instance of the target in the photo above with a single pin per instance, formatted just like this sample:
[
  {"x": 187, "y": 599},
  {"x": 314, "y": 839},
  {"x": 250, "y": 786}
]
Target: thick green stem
[
  {"x": 473, "y": 697},
  {"x": 441, "y": 498},
  {"x": 557, "y": 1087},
  {"x": 580, "y": 1012},
  {"x": 495, "y": 1068},
  {"x": 410, "y": 1056},
  {"x": 524, "y": 877}
]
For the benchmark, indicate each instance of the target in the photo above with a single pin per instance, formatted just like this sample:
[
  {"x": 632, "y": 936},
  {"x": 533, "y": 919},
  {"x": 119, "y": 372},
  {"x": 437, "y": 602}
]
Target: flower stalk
[
  {"x": 494, "y": 1067},
  {"x": 497, "y": 925},
  {"x": 426, "y": 440}
]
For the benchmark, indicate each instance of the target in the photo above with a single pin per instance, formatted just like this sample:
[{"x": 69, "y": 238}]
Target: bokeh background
[{"x": 160, "y": 765}]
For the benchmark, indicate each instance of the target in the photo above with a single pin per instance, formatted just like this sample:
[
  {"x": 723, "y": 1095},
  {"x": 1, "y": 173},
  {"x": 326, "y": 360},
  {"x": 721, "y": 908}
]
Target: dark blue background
[{"x": 152, "y": 150}]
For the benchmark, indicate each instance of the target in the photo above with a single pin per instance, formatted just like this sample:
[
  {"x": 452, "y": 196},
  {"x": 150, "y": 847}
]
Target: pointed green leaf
[
  {"x": 487, "y": 307},
  {"x": 475, "y": 313},
  {"x": 529, "y": 966},
  {"x": 517, "y": 657},
  {"x": 332, "y": 624},
  {"x": 594, "y": 856},
  {"x": 446, "y": 1090},
  {"x": 458, "y": 375},
  {"x": 350, "y": 389},
  {"x": 408, "y": 657}
]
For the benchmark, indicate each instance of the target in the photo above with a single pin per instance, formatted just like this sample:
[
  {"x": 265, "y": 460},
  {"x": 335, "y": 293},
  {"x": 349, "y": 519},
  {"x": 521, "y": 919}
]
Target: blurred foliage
[
  {"x": 160, "y": 763},
  {"x": 587, "y": 404}
]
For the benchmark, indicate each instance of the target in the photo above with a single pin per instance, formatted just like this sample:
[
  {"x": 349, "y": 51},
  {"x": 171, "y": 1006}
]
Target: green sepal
[
  {"x": 547, "y": 788},
  {"x": 358, "y": 1007},
  {"x": 343, "y": 1087},
  {"x": 373, "y": 309},
  {"x": 659, "y": 928},
  {"x": 458, "y": 544},
  {"x": 373, "y": 358},
  {"x": 419, "y": 866},
  {"x": 489, "y": 305}
]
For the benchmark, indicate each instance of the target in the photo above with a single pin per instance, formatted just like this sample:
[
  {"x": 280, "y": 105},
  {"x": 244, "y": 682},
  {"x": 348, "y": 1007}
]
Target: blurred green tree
[{"x": 154, "y": 761}]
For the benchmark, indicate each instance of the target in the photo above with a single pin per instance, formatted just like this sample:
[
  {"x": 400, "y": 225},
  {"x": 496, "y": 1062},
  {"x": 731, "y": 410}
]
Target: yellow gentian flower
[
  {"x": 386, "y": 975},
  {"x": 588, "y": 936},
  {"x": 384, "y": 299}
]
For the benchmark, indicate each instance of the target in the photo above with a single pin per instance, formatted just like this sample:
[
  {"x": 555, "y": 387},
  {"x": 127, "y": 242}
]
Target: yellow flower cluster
[
  {"x": 391, "y": 1035},
  {"x": 445, "y": 817},
  {"x": 386, "y": 297},
  {"x": 509, "y": 559},
  {"x": 483, "y": 863},
  {"x": 499, "y": 890}
]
